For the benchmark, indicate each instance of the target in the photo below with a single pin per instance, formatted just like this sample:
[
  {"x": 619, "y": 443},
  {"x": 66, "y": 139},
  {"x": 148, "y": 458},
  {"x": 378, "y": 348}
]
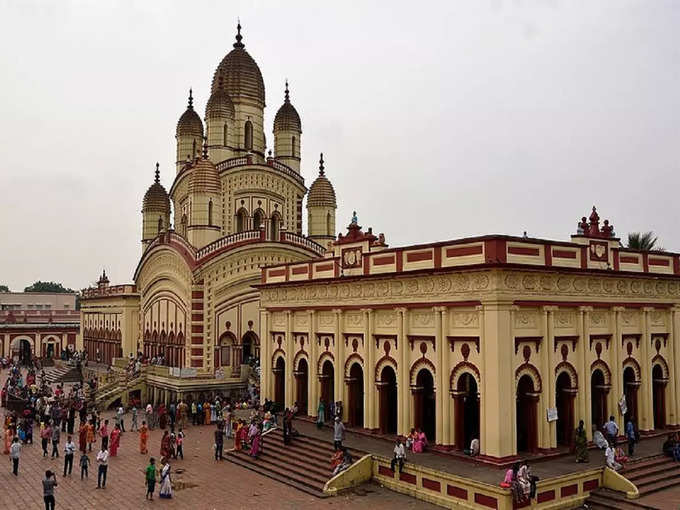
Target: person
[
  {"x": 287, "y": 426},
  {"x": 620, "y": 456},
  {"x": 149, "y": 414},
  {"x": 120, "y": 413},
  {"x": 162, "y": 416},
  {"x": 207, "y": 409},
  {"x": 420, "y": 442},
  {"x": 14, "y": 453},
  {"x": 55, "y": 442},
  {"x": 675, "y": 453},
  {"x": 166, "y": 482},
  {"x": 237, "y": 436},
  {"x": 320, "y": 414},
  {"x": 346, "y": 461},
  {"x": 227, "y": 422},
  {"x": 103, "y": 462},
  {"x": 180, "y": 444},
  {"x": 581, "y": 443},
  {"x": 49, "y": 483},
  {"x": 193, "y": 413},
  {"x": 219, "y": 443},
  {"x": 69, "y": 451},
  {"x": 143, "y": 438},
  {"x": 399, "y": 455},
  {"x": 82, "y": 437},
  {"x": 150, "y": 478},
  {"x": 527, "y": 480},
  {"x": 104, "y": 434},
  {"x": 165, "y": 445},
  {"x": 612, "y": 430},
  {"x": 115, "y": 440},
  {"x": 336, "y": 459},
  {"x": 256, "y": 447},
  {"x": 338, "y": 433},
  {"x": 669, "y": 445},
  {"x": 90, "y": 435},
  {"x": 474, "y": 448},
  {"x": 133, "y": 427},
  {"x": 599, "y": 440},
  {"x": 84, "y": 465},
  {"x": 410, "y": 439},
  {"x": 630, "y": 435},
  {"x": 45, "y": 436},
  {"x": 610, "y": 458}
]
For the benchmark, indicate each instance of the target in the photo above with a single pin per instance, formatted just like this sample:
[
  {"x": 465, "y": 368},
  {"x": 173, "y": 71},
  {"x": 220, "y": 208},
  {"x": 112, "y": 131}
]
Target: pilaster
[
  {"x": 441, "y": 391},
  {"x": 645, "y": 396},
  {"x": 290, "y": 347},
  {"x": 339, "y": 372},
  {"x": 617, "y": 369},
  {"x": 265, "y": 358},
  {"x": 370, "y": 407},
  {"x": 585, "y": 406},
  {"x": 549, "y": 378},
  {"x": 313, "y": 379},
  {"x": 403, "y": 383},
  {"x": 674, "y": 363}
]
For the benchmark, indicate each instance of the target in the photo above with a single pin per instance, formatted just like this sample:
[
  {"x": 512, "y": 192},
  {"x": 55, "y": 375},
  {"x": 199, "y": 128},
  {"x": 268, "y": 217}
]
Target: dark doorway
[
  {"x": 466, "y": 409},
  {"x": 248, "y": 347},
  {"x": 527, "y": 402},
  {"x": 50, "y": 350},
  {"x": 302, "y": 379},
  {"x": 630, "y": 387},
  {"x": 327, "y": 386},
  {"x": 659, "y": 396},
  {"x": 598, "y": 399},
  {"x": 564, "y": 401},
  {"x": 388, "y": 401},
  {"x": 280, "y": 382},
  {"x": 24, "y": 352},
  {"x": 355, "y": 405},
  {"x": 424, "y": 404}
]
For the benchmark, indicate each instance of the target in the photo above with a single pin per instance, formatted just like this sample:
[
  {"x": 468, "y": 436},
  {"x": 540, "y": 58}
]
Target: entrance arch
[
  {"x": 327, "y": 378},
  {"x": 564, "y": 401},
  {"x": 527, "y": 403},
  {"x": 227, "y": 341},
  {"x": 248, "y": 343},
  {"x": 388, "y": 401},
  {"x": 301, "y": 380},
  {"x": 355, "y": 404},
  {"x": 659, "y": 395},
  {"x": 598, "y": 399},
  {"x": 466, "y": 410},
  {"x": 22, "y": 348},
  {"x": 280, "y": 382},
  {"x": 630, "y": 387},
  {"x": 424, "y": 404}
]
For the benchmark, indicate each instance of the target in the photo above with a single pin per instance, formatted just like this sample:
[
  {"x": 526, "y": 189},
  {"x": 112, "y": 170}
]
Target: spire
[
  {"x": 158, "y": 174},
  {"x": 287, "y": 95},
  {"x": 321, "y": 165},
  {"x": 191, "y": 100},
  {"x": 205, "y": 147},
  {"x": 238, "y": 43}
]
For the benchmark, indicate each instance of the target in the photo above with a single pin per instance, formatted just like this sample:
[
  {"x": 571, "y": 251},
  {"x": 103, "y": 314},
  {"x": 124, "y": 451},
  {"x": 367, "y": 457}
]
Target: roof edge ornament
[
  {"x": 190, "y": 106},
  {"x": 286, "y": 98},
  {"x": 239, "y": 37},
  {"x": 321, "y": 167},
  {"x": 157, "y": 180}
]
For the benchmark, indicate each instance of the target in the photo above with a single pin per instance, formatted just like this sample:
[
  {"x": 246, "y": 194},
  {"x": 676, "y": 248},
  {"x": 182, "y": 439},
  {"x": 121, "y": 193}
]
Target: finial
[
  {"x": 191, "y": 100},
  {"x": 321, "y": 165},
  {"x": 205, "y": 147},
  {"x": 158, "y": 174},
  {"x": 239, "y": 37},
  {"x": 287, "y": 98}
]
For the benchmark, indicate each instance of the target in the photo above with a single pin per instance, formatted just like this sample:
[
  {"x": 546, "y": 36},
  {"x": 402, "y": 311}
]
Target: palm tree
[{"x": 643, "y": 241}]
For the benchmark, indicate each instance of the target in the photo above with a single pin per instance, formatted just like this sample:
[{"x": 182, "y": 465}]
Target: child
[
  {"x": 84, "y": 463},
  {"x": 180, "y": 442}
]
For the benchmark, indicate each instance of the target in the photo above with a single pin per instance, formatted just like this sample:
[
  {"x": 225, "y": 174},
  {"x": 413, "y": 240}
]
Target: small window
[
  {"x": 249, "y": 135},
  {"x": 329, "y": 225},
  {"x": 275, "y": 226},
  {"x": 183, "y": 225},
  {"x": 258, "y": 219},
  {"x": 292, "y": 149},
  {"x": 160, "y": 225},
  {"x": 241, "y": 218},
  {"x": 210, "y": 212},
  {"x": 193, "y": 149},
  {"x": 225, "y": 132}
]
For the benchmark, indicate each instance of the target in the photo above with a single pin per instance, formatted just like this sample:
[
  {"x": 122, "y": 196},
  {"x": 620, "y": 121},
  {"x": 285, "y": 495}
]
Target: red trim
[
  {"x": 196, "y": 352},
  {"x": 456, "y": 492},
  {"x": 366, "y": 262},
  {"x": 547, "y": 255},
  {"x": 196, "y": 340},
  {"x": 495, "y": 250},
  {"x": 418, "y": 256},
  {"x": 400, "y": 261},
  {"x": 432, "y": 485},
  {"x": 584, "y": 257},
  {"x": 659, "y": 262},
  {"x": 596, "y": 304},
  {"x": 464, "y": 251},
  {"x": 568, "y": 490},
  {"x": 390, "y": 306},
  {"x": 487, "y": 501},
  {"x": 385, "y": 471},
  {"x": 617, "y": 256},
  {"x": 196, "y": 363},
  {"x": 381, "y": 261},
  {"x": 522, "y": 250},
  {"x": 323, "y": 267},
  {"x": 437, "y": 258},
  {"x": 197, "y": 306},
  {"x": 645, "y": 262},
  {"x": 563, "y": 254},
  {"x": 300, "y": 270},
  {"x": 545, "y": 496},
  {"x": 197, "y": 317},
  {"x": 676, "y": 264},
  {"x": 629, "y": 260},
  {"x": 196, "y": 294},
  {"x": 408, "y": 478},
  {"x": 272, "y": 273},
  {"x": 591, "y": 485}
]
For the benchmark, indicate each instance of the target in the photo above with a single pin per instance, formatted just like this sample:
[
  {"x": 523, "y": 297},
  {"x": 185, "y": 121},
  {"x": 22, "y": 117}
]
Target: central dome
[{"x": 239, "y": 75}]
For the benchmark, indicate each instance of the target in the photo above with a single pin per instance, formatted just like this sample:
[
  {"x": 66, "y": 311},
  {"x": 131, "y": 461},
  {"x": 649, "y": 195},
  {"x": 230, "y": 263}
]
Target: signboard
[{"x": 552, "y": 414}]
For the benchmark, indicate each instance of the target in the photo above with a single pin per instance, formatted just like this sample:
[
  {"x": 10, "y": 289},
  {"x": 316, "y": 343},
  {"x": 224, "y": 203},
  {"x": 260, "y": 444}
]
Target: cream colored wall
[
  {"x": 150, "y": 225},
  {"x": 318, "y": 227},
  {"x": 187, "y": 145},
  {"x": 200, "y": 230},
  {"x": 218, "y": 151},
  {"x": 23, "y": 299},
  {"x": 285, "y": 151},
  {"x": 245, "y": 110}
]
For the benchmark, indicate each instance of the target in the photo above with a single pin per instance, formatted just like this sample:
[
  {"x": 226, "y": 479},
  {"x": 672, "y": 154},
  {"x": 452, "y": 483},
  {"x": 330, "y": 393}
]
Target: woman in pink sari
[
  {"x": 420, "y": 442},
  {"x": 256, "y": 445},
  {"x": 115, "y": 441},
  {"x": 9, "y": 435}
]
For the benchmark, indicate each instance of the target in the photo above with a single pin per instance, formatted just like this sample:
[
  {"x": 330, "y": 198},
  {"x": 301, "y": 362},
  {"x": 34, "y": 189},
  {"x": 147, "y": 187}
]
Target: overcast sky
[{"x": 437, "y": 120}]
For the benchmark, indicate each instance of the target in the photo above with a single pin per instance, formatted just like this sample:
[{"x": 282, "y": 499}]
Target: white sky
[{"x": 437, "y": 120}]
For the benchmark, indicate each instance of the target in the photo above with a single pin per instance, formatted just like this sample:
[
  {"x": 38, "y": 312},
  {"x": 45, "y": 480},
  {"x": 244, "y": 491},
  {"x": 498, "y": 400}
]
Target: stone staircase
[
  {"x": 62, "y": 374},
  {"x": 649, "y": 475},
  {"x": 303, "y": 464}
]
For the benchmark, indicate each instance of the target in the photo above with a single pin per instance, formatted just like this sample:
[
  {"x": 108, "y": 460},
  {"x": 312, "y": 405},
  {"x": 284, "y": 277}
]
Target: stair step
[
  {"x": 656, "y": 477},
  {"x": 642, "y": 473},
  {"x": 598, "y": 502},
  {"x": 300, "y": 471},
  {"x": 321, "y": 465},
  {"x": 319, "y": 444},
  {"x": 660, "y": 485},
  {"x": 320, "y": 455},
  {"x": 645, "y": 463}
]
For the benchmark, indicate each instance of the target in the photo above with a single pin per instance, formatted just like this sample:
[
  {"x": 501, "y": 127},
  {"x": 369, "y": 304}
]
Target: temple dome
[
  {"x": 204, "y": 177},
  {"x": 219, "y": 106},
  {"x": 287, "y": 118},
  {"x": 321, "y": 192},
  {"x": 190, "y": 123},
  {"x": 156, "y": 199}
]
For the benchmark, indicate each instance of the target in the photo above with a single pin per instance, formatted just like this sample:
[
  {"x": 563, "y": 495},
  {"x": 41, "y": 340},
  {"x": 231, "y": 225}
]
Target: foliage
[
  {"x": 643, "y": 241},
  {"x": 4, "y": 288},
  {"x": 48, "y": 287}
]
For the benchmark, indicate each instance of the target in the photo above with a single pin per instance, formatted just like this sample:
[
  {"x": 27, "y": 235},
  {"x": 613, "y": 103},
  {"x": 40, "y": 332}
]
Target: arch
[
  {"x": 210, "y": 212},
  {"x": 249, "y": 343},
  {"x": 248, "y": 135},
  {"x": 329, "y": 224},
  {"x": 388, "y": 398},
  {"x": 353, "y": 358},
  {"x": 569, "y": 369},
  {"x": 279, "y": 369},
  {"x": 301, "y": 374},
  {"x": 355, "y": 393},
  {"x": 531, "y": 371},
  {"x": 326, "y": 356},
  {"x": 278, "y": 353},
  {"x": 225, "y": 134},
  {"x": 225, "y": 345},
  {"x": 598, "y": 364},
  {"x": 275, "y": 227},
  {"x": 424, "y": 401},
  {"x": 160, "y": 224},
  {"x": 420, "y": 364},
  {"x": 301, "y": 355},
  {"x": 659, "y": 383},
  {"x": 526, "y": 415},
  {"x": 258, "y": 218},
  {"x": 385, "y": 361},
  {"x": 659, "y": 360},
  {"x": 632, "y": 363},
  {"x": 183, "y": 225},
  {"x": 466, "y": 408},
  {"x": 241, "y": 219},
  {"x": 326, "y": 375},
  {"x": 464, "y": 367},
  {"x": 564, "y": 402}
]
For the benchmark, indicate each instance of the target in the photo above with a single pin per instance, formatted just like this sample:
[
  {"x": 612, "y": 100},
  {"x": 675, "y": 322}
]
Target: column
[
  {"x": 617, "y": 368},
  {"x": 441, "y": 388},
  {"x": 498, "y": 399},
  {"x": 544, "y": 428},
  {"x": 289, "y": 346},
  {"x": 585, "y": 409},
  {"x": 674, "y": 364},
  {"x": 313, "y": 379},
  {"x": 265, "y": 358},
  {"x": 645, "y": 397},
  {"x": 339, "y": 371},
  {"x": 370, "y": 407},
  {"x": 447, "y": 416},
  {"x": 403, "y": 407},
  {"x": 549, "y": 341}
]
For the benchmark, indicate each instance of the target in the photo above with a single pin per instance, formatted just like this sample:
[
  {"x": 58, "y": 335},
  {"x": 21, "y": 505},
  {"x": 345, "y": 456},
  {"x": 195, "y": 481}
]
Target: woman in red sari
[
  {"x": 9, "y": 435},
  {"x": 82, "y": 437},
  {"x": 115, "y": 441},
  {"x": 162, "y": 417},
  {"x": 165, "y": 445},
  {"x": 143, "y": 438}
]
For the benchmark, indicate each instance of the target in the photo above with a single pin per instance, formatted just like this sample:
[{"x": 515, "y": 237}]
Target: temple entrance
[
  {"x": 248, "y": 343},
  {"x": 424, "y": 404},
  {"x": 630, "y": 387},
  {"x": 659, "y": 396},
  {"x": 355, "y": 405},
  {"x": 388, "y": 401},
  {"x": 301, "y": 380},
  {"x": 527, "y": 402},
  {"x": 280, "y": 382},
  {"x": 327, "y": 386},
  {"x": 466, "y": 411},
  {"x": 50, "y": 351},
  {"x": 564, "y": 401},
  {"x": 22, "y": 349},
  {"x": 598, "y": 399}
]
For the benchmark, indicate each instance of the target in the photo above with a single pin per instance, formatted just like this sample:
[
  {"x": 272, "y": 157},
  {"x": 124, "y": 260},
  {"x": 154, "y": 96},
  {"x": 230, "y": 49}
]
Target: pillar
[
  {"x": 544, "y": 427},
  {"x": 313, "y": 376},
  {"x": 339, "y": 372},
  {"x": 290, "y": 347},
  {"x": 645, "y": 397},
  {"x": 617, "y": 368},
  {"x": 403, "y": 382},
  {"x": 674, "y": 364},
  {"x": 585, "y": 409},
  {"x": 370, "y": 403},
  {"x": 447, "y": 416},
  {"x": 265, "y": 358},
  {"x": 440, "y": 387},
  {"x": 549, "y": 379}
]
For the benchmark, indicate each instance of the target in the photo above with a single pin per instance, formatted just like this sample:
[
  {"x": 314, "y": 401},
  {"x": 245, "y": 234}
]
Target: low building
[{"x": 511, "y": 340}]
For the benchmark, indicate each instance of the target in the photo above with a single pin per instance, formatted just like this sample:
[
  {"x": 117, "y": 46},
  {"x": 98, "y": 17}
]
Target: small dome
[
  {"x": 287, "y": 118},
  {"x": 321, "y": 192},
  {"x": 156, "y": 199},
  {"x": 190, "y": 123},
  {"x": 219, "y": 106},
  {"x": 203, "y": 176},
  {"x": 239, "y": 74}
]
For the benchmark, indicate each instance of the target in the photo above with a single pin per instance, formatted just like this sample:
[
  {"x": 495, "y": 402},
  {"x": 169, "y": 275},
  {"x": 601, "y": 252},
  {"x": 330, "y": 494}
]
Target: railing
[
  {"x": 231, "y": 163},
  {"x": 239, "y": 237},
  {"x": 277, "y": 165},
  {"x": 296, "y": 239},
  {"x": 109, "y": 291},
  {"x": 248, "y": 160}
]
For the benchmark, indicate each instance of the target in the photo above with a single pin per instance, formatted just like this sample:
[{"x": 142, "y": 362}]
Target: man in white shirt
[
  {"x": 69, "y": 450},
  {"x": 399, "y": 455},
  {"x": 103, "y": 462},
  {"x": 14, "y": 452},
  {"x": 611, "y": 461}
]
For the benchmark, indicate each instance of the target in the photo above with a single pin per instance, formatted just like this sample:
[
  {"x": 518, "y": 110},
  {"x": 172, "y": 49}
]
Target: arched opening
[
  {"x": 280, "y": 382},
  {"x": 466, "y": 411},
  {"x": 329, "y": 225},
  {"x": 424, "y": 404},
  {"x": 292, "y": 147},
  {"x": 22, "y": 350},
  {"x": 248, "y": 343},
  {"x": 241, "y": 220},
  {"x": 598, "y": 399},
  {"x": 160, "y": 225},
  {"x": 630, "y": 387},
  {"x": 249, "y": 135},
  {"x": 50, "y": 351},
  {"x": 226, "y": 343},
  {"x": 355, "y": 404},
  {"x": 210, "y": 212},
  {"x": 193, "y": 149},
  {"x": 388, "y": 401},
  {"x": 659, "y": 397},
  {"x": 527, "y": 403},
  {"x": 301, "y": 381},
  {"x": 327, "y": 385},
  {"x": 258, "y": 219},
  {"x": 225, "y": 132},
  {"x": 564, "y": 401},
  {"x": 183, "y": 225},
  {"x": 275, "y": 226}
]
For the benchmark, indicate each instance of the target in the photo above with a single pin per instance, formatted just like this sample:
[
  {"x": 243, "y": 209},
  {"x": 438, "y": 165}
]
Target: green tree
[
  {"x": 47, "y": 287},
  {"x": 4, "y": 288},
  {"x": 643, "y": 241}
]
